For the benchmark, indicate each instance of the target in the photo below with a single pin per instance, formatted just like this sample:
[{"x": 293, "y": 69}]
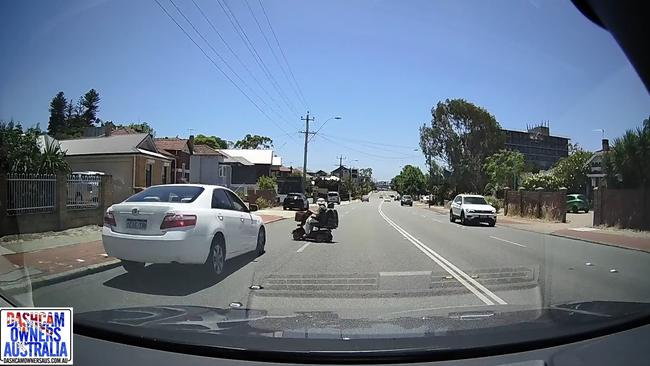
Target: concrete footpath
[
  {"x": 82, "y": 254},
  {"x": 578, "y": 227}
]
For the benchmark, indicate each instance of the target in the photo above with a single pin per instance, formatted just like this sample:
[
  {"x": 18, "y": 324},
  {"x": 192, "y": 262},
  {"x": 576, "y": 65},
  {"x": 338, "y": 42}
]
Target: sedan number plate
[{"x": 136, "y": 224}]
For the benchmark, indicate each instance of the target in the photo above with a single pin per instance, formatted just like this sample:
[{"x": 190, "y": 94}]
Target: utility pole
[
  {"x": 304, "y": 164},
  {"x": 340, "y": 157}
]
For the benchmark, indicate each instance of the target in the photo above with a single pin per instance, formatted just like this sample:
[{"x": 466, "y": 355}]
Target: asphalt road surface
[{"x": 385, "y": 261}]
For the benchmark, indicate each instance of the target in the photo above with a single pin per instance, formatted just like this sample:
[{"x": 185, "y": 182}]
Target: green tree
[
  {"x": 264, "y": 182},
  {"x": 20, "y": 153},
  {"x": 57, "y": 122},
  {"x": 142, "y": 127},
  {"x": 254, "y": 142},
  {"x": 212, "y": 141},
  {"x": 409, "y": 181},
  {"x": 627, "y": 162},
  {"x": 572, "y": 171},
  {"x": 90, "y": 104},
  {"x": 462, "y": 135},
  {"x": 503, "y": 168}
]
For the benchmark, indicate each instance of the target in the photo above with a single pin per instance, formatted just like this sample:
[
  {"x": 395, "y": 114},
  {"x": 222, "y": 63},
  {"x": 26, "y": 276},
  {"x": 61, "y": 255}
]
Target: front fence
[
  {"x": 83, "y": 191},
  {"x": 30, "y": 193}
]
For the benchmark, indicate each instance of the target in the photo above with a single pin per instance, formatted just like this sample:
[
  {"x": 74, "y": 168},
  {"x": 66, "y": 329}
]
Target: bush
[
  {"x": 263, "y": 203},
  {"x": 266, "y": 183},
  {"x": 547, "y": 182},
  {"x": 494, "y": 202}
]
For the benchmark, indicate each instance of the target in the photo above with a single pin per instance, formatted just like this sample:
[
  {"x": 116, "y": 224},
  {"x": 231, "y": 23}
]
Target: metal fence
[
  {"x": 30, "y": 193},
  {"x": 83, "y": 191}
]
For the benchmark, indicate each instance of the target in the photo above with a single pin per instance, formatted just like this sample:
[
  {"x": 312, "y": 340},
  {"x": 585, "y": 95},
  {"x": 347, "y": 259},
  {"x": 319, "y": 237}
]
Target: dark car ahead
[
  {"x": 577, "y": 202},
  {"x": 295, "y": 200},
  {"x": 406, "y": 200}
]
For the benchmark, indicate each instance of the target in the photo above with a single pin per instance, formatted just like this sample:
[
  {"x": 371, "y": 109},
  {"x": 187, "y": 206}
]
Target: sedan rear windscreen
[{"x": 179, "y": 194}]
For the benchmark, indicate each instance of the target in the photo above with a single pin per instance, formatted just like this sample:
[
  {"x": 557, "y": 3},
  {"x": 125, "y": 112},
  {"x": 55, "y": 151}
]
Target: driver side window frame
[
  {"x": 225, "y": 193},
  {"x": 234, "y": 199}
]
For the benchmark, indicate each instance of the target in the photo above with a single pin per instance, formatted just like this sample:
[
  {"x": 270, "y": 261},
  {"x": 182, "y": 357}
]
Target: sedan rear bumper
[{"x": 173, "y": 246}]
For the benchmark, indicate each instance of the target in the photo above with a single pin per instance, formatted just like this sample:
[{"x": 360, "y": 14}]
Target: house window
[
  {"x": 147, "y": 174},
  {"x": 222, "y": 171},
  {"x": 164, "y": 174}
]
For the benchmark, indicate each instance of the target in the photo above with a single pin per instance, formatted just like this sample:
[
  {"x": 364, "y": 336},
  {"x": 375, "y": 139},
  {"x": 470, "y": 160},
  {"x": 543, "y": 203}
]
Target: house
[
  {"x": 342, "y": 172},
  {"x": 597, "y": 174},
  {"x": 181, "y": 149},
  {"x": 281, "y": 171},
  {"x": 133, "y": 160},
  {"x": 538, "y": 146},
  {"x": 248, "y": 165},
  {"x": 209, "y": 167}
]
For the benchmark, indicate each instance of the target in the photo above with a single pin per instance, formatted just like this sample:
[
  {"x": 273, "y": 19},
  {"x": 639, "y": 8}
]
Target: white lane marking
[
  {"x": 407, "y": 273},
  {"x": 462, "y": 277},
  {"x": 508, "y": 241},
  {"x": 302, "y": 247}
]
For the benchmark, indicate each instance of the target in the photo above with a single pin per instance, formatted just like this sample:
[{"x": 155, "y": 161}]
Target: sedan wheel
[
  {"x": 217, "y": 260},
  {"x": 451, "y": 216},
  {"x": 462, "y": 218},
  {"x": 261, "y": 241}
]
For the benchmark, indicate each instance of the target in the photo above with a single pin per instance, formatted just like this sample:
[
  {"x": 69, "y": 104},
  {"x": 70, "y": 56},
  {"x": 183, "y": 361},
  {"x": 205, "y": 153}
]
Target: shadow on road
[{"x": 174, "y": 279}]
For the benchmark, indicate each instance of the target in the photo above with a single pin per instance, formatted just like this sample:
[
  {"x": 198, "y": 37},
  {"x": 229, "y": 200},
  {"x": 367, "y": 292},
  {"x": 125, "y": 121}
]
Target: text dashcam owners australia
[{"x": 36, "y": 336}]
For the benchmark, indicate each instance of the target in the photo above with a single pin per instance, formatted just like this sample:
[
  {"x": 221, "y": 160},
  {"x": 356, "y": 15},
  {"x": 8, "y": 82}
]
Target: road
[{"x": 386, "y": 261}]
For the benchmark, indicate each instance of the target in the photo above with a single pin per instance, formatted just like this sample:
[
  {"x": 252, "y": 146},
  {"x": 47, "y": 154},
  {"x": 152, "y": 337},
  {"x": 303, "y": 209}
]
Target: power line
[
  {"x": 221, "y": 70},
  {"x": 368, "y": 142},
  {"x": 222, "y": 59},
  {"x": 251, "y": 48},
  {"x": 275, "y": 56},
  {"x": 242, "y": 64},
  {"x": 283, "y": 55},
  {"x": 367, "y": 153}
]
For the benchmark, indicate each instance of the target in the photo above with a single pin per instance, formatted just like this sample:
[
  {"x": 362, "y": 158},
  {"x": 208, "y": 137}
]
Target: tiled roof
[
  {"x": 205, "y": 150},
  {"x": 171, "y": 143}
]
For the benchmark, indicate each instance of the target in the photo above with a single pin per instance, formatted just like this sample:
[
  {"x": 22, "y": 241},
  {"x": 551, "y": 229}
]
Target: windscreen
[
  {"x": 179, "y": 194},
  {"x": 475, "y": 200}
]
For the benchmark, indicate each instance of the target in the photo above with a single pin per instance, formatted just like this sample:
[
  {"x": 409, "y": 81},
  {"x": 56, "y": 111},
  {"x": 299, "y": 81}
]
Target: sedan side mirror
[{"x": 253, "y": 207}]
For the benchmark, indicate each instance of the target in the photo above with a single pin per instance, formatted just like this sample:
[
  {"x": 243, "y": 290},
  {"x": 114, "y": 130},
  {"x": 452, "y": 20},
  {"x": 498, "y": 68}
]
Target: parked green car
[{"x": 576, "y": 202}]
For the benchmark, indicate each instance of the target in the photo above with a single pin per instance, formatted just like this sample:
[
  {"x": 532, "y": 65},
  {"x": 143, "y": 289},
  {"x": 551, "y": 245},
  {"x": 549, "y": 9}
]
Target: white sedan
[{"x": 182, "y": 223}]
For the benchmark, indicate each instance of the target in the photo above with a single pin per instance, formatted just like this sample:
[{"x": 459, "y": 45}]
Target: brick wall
[
  {"x": 623, "y": 208},
  {"x": 549, "y": 206}
]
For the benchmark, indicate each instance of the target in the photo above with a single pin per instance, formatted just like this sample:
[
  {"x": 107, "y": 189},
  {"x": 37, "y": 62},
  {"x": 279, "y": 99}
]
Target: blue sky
[{"x": 381, "y": 65}]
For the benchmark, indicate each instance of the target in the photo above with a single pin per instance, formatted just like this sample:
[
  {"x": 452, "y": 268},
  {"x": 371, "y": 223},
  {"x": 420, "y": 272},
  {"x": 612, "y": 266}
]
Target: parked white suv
[
  {"x": 333, "y": 197},
  {"x": 182, "y": 223},
  {"x": 472, "y": 208}
]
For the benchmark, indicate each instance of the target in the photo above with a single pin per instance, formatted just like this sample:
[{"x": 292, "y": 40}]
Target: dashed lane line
[
  {"x": 485, "y": 295},
  {"x": 508, "y": 241}
]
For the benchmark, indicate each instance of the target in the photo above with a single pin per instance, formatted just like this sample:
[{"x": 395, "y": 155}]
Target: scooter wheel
[{"x": 297, "y": 234}]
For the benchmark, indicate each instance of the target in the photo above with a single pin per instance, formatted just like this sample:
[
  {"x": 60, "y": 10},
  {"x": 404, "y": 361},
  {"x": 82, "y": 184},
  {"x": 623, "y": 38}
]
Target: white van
[{"x": 333, "y": 197}]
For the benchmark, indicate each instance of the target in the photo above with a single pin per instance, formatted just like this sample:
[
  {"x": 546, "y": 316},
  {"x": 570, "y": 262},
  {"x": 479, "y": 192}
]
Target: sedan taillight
[
  {"x": 109, "y": 219},
  {"x": 178, "y": 221}
]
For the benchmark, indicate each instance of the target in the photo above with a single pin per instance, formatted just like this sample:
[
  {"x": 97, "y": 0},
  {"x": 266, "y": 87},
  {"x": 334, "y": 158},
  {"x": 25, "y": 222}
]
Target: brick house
[
  {"x": 133, "y": 160},
  {"x": 181, "y": 150}
]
